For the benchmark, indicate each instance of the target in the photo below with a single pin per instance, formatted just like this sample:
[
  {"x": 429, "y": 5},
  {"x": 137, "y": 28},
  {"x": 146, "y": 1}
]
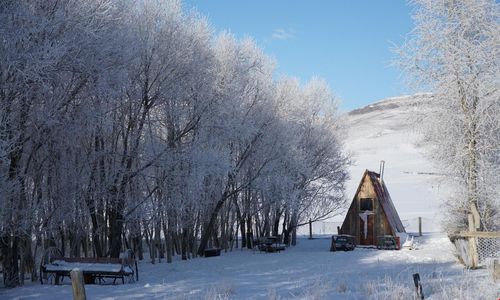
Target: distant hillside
[
  {"x": 393, "y": 103},
  {"x": 382, "y": 131}
]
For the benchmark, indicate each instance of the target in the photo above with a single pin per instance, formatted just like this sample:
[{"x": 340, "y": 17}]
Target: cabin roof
[{"x": 385, "y": 200}]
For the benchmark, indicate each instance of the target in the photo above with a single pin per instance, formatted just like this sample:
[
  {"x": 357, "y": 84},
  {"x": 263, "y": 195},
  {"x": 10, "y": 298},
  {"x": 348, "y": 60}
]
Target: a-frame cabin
[{"x": 372, "y": 212}]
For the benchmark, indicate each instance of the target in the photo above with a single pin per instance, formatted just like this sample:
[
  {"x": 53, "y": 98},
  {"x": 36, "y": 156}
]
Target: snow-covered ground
[{"x": 307, "y": 271}]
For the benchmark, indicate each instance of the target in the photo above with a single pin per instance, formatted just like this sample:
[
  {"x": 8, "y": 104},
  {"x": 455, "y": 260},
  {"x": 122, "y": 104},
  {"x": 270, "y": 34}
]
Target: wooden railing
[{"x": 475, "y": 247}]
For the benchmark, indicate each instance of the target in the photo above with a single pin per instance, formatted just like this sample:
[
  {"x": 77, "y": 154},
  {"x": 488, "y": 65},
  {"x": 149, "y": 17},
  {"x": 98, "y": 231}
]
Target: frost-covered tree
[
  {"x": 317, "y": 168},
  {"x": 48, "y": 56},
  {"x": 454, "y": 50},
  {"x": 125, "y": 123}
]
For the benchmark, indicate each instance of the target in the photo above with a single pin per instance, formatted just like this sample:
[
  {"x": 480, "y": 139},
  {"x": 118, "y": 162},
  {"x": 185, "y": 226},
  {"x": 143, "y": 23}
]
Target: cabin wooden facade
[{"x": 372, "y": 213}]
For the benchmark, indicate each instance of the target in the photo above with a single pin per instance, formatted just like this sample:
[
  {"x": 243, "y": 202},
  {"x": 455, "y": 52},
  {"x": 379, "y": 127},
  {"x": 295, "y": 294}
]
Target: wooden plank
[
  {"x": 480, "y": 234},
  {"x": 93, "y": 260},
  {"x": 78, "y": 285}
]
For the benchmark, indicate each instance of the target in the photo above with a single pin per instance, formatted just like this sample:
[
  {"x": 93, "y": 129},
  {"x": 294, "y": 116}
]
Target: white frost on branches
[{"x": 454, "y": 50}]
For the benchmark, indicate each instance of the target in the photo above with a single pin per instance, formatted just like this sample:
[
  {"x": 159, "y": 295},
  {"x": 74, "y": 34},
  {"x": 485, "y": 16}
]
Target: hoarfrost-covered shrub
[
  {"x": 342, "y": 287},
  {"x": 318, "y": 290},
  {"x": 272, "y": 295},
  {"x": 436, "y": 285},
  {"x": 388, "y": 289},
  {"x": 221, "y": 291}
]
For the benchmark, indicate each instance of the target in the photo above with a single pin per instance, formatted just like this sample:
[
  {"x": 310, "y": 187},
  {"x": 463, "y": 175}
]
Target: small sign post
[
  {"x": 419, "y": 226},
  {"x": 310, "y": 230},
  {"x": 418, "y": 286}
]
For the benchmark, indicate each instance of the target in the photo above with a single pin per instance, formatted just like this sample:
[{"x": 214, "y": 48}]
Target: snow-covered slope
[{"x": 383, "y": 131}]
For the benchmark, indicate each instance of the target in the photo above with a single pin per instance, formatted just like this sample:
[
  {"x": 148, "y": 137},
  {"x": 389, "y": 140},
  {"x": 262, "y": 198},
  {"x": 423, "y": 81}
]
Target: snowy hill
[{"x": 383, "y": 131}]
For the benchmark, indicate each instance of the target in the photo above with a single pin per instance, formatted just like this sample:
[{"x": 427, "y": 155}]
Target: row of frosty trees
[
  {"x": 129, "y": 121},
  {"x": 454, "y": 50}
]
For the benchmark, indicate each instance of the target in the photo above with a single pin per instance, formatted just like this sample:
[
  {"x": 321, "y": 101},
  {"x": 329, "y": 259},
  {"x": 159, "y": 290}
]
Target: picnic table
[
  {"x": 54, "y": 267},
  {"x": 270, "y": 244}
]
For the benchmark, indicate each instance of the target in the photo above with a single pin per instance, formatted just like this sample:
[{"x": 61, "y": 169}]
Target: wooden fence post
[
  {"x": 78, "y": 285},
  {"x": 495, "y": 270},
  {"x": 419, "y": 226},
  {"x": 474, "y": 258}
]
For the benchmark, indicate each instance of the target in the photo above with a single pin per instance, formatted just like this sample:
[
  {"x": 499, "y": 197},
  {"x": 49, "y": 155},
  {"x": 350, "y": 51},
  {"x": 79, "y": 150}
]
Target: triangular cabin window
[{"x": 366, "y": 204}]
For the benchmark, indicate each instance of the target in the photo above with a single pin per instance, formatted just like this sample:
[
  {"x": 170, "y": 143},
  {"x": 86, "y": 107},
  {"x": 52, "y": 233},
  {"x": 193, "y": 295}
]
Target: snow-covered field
[{"x": 307, "y": 271}]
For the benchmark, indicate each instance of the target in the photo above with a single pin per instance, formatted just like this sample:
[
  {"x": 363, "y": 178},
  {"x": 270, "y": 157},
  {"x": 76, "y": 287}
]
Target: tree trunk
[
  {"x": 96, "y": 238},
  {"x": 184, "y": 244},
  {"x": 209, "y": 229},
  {"x": 115, "y": 232},
  {"x": 168, "y": 237},
  {"x": 249, "y": 235},
  {"x": 276, "y": 223},
  {"x": 10, "y": 252},
  {"x": 472, "y": 169},
  {"x": 157, "y": 241}
]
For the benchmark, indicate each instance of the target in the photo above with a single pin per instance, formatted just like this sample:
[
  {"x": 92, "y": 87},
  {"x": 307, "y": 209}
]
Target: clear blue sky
[{"x": 346, "y": 42}]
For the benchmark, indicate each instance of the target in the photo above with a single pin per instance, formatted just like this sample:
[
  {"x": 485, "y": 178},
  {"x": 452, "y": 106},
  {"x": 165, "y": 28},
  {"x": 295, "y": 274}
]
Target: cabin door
[{"x": 366, "y": 230}]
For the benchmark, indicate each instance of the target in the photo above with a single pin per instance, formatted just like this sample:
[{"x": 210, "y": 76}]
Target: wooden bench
[
  {"x": 210, "y": 252},
  {"x": 97, "y": 269}
]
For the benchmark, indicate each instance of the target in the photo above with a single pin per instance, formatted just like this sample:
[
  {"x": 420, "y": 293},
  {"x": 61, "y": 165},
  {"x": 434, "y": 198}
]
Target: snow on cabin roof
[{"x": 385, "y": 200}]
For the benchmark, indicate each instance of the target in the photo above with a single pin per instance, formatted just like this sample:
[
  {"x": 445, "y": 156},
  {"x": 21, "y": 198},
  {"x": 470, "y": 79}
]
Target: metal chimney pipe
[{"x": 381, "y": 171}]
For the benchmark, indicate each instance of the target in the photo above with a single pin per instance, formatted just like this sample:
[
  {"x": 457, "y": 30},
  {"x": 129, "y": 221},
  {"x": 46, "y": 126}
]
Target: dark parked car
[{"x": 343, "y": 242}]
